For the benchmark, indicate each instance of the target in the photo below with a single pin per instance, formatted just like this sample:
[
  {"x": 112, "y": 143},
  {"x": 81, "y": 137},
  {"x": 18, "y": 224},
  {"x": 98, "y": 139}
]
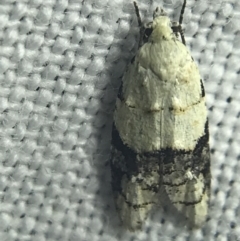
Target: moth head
[
  {"x": 161, "y": 28},
  {"x": 158, "y": 29}
]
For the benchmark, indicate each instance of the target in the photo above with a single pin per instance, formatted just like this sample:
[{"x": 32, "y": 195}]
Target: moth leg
[{"x": 177, "y": 29}]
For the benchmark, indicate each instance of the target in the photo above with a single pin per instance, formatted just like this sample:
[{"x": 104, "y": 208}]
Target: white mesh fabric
[{"x": 61, "y": 63}]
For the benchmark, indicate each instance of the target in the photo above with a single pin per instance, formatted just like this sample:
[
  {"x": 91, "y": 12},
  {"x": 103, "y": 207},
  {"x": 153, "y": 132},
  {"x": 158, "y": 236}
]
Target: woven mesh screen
[{"x": 61, "y": 64}]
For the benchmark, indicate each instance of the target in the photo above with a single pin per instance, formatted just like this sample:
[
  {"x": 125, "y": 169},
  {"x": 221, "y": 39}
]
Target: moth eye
[{"x": 148, "y": 32}]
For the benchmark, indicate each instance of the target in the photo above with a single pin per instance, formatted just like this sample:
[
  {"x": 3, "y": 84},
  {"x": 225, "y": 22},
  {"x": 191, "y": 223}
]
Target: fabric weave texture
[{"x": 61, "y": 63}]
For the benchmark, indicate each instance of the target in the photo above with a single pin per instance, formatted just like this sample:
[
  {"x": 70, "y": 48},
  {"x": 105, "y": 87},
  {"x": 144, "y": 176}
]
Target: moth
[{"x": 160, "y": 137}]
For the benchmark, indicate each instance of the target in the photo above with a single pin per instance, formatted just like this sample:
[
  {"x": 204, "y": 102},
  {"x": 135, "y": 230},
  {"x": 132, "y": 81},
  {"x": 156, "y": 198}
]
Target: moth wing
[
  {"x": 135, "y": 182},
  {"x": 187, "y": 178}
]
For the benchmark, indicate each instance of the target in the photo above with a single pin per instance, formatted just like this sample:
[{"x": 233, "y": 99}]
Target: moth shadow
[{"x": 119, "y": 56}]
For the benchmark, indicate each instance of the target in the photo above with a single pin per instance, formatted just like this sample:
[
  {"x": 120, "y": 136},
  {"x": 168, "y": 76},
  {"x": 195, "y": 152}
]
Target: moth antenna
[
  {"x": 182, "y": 11},
  {"x": 138, "y": 14},
  {"x": 180, "y": 30}
]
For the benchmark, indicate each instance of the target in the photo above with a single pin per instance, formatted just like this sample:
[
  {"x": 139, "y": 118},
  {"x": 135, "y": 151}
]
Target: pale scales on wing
[{"x": 160, "y": 133}]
